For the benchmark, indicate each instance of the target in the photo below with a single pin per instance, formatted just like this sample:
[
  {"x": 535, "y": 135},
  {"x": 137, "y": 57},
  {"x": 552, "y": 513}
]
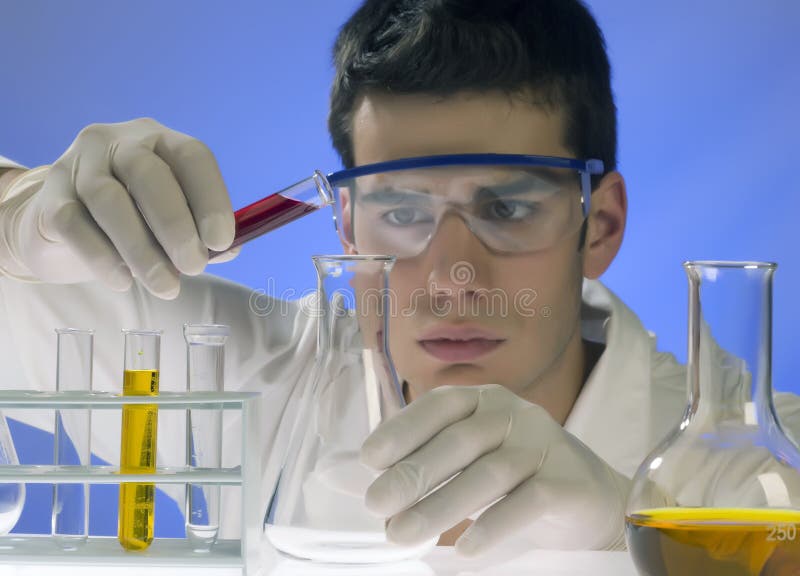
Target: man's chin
[{"x": 453, "y": 375}]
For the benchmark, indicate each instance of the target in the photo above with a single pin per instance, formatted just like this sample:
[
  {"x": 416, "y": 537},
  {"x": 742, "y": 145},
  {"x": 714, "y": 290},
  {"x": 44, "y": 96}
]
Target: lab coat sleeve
[{"x": 8, "y": 163}]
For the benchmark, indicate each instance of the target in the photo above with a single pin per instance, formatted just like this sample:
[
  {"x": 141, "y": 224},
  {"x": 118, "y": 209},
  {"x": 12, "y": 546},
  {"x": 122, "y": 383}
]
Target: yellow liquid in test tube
[{"x": 138, "y": 456}]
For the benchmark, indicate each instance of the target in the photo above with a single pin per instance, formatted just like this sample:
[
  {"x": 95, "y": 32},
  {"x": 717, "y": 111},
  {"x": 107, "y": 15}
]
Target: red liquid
[{"x": 264, "y": 216}]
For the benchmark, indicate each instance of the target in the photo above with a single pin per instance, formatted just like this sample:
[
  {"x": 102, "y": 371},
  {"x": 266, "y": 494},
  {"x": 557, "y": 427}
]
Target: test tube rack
[{"x": 235, "y": 556}]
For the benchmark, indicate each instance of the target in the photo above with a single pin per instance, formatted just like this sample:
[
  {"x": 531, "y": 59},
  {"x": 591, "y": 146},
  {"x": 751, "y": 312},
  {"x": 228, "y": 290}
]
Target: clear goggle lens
[{"x": 510, "y": 209}]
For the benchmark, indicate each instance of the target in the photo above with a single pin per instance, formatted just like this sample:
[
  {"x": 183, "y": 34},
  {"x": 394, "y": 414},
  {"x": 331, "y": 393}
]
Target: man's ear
[
  {"x": 345, "y": 223},
  {"x": 606, "y": 224}
]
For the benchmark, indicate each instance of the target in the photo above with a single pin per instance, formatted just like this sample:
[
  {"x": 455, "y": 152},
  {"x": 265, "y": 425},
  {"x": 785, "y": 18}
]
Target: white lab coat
[
  {"x": 633, "y": 397},
  {"x": 8, "y": 163}
]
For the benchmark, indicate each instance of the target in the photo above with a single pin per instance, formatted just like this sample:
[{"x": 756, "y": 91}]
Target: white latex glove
[
  {"x": 553, "y": 491},
  {"x": 126, "y": 200}
]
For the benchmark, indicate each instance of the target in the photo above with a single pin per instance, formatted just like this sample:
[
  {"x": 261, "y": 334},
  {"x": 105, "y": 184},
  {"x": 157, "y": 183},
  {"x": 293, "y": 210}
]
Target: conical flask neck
[
  {"x": 352, "y": 290},
  {"x": 730, "y": 331}
]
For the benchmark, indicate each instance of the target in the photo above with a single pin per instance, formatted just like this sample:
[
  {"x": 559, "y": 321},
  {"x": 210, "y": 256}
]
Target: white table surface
[{"x": 442, "y": 561}]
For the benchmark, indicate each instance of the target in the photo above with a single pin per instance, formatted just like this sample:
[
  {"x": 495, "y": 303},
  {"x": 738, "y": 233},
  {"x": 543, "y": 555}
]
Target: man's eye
[
  {"x": 509, "y": 210},
  {"x": 406, "y": 216}
]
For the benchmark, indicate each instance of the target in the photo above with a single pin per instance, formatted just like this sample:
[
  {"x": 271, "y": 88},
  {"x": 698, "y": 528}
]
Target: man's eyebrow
[
  {"x": 517, "y": 186},
  {"x": 390, "y": 195},
  {"x": 396, "y": 194},
  {"x": 506, "y": 189}
]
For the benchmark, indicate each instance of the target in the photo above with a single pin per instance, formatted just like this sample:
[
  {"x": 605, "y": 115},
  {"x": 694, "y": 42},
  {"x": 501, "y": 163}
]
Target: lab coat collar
[{"x": 612, "y": 413}]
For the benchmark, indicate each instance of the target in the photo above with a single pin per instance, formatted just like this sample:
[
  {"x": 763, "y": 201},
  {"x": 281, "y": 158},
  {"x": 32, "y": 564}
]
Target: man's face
[{"x": 465, "y": 315}]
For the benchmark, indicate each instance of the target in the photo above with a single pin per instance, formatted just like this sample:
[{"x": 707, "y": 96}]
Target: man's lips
[{"x": 451, "y": 343}]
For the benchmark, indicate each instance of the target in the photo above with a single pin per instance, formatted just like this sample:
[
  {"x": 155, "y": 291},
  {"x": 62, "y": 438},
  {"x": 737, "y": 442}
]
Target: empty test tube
[
  {"x": 205, "y": 345},
  {"x": 70, "y": 518}
]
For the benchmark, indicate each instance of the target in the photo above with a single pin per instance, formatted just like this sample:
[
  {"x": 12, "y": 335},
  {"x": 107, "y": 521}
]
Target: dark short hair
[{"x": 553, "y": 49}]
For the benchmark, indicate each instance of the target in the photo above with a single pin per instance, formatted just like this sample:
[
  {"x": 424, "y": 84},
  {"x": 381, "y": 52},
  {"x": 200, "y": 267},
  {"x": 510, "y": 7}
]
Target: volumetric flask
[
  {"x": 70, "y": 521},
  {"x": 205, "y": 349},
  {"x": 721, "y": 495},
  {"x": 280, "y": 208},
  {"x": 138, "y": 449},
  {"x": 317, "y": 510}
]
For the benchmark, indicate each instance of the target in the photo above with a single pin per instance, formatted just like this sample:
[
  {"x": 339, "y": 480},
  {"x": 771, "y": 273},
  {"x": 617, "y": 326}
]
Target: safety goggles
[{"x": 512, "y": 203}]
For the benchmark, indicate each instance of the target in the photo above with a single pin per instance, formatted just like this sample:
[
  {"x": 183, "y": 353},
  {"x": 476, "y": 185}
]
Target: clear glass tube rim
[
  {"x": 76, "y": 331},
  {"x": 142, "y": 332},
  {"x": 315, "y": 190},
  {"x": 215, "y": 330},
  {"x": 354, "y": 257},
  {"x": 324, "y": 188},
  {"x": 730, "y": 264}
]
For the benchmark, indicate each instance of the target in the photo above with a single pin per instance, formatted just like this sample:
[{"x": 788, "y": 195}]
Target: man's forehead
[{"x": 388, "y": 126}]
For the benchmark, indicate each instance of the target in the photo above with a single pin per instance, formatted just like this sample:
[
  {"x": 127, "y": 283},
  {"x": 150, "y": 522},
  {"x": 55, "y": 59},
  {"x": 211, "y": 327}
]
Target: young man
[{"x": 546, "y": 416}]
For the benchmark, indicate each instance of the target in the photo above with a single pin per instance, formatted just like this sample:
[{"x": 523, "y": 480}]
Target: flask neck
[
  {"x": 730, "y": 343},
  {"x": 352, "y": 293}
]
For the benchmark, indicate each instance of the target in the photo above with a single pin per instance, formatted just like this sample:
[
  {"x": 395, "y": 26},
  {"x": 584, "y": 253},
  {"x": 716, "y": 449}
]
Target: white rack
[{"x": 241, "y": 556}]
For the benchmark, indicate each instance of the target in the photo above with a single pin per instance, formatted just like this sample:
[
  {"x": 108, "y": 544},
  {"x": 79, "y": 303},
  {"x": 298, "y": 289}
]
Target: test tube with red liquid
[{"x": 280, "y": 208}]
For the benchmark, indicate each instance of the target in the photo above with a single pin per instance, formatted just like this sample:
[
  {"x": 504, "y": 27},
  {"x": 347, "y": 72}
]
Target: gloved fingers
[
  {"x": 199, "y": 177},
  {"x": 160, "y": 200},
  {"x": 555, "y": 511},
  {"x": 417, "y": 423},
  {"x": 450, "y": 451},
  {"x": 114, "y": 211},
  {"x": 517, "y": 510},
  {"x": 76, "y": 228},
  {"x": 487, "y": 479}
]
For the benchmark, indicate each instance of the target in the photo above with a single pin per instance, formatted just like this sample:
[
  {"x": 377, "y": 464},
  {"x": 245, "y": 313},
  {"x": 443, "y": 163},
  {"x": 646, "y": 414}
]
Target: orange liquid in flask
[{"x": 715, "y": 542}]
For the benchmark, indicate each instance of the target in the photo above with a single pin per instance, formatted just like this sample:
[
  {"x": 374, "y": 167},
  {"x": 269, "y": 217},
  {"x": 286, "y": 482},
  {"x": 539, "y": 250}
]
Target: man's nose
[{"x": 456, "y": 258}]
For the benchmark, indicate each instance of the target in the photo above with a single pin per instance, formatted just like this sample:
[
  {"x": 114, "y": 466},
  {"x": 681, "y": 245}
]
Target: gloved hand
[
  {"x": 126, "y": 200},
  {"x": 539, "y": 482}
]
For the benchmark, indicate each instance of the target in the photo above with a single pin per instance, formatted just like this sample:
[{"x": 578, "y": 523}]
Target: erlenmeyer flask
[
  {"x": 12, "y": 495},
  {"x": 721, "y": 495},
  {"x": 317, "y": 510}
]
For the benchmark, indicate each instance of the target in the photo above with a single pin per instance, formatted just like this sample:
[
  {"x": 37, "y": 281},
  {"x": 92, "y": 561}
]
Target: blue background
[{"x": 707, "y": 95}]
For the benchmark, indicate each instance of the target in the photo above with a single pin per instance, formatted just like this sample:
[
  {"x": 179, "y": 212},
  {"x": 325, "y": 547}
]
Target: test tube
[
  {"x": 70, "y": 519},
  {"x": 139, "y": 426},
  {"x": 280, "y": 208},
  {"x": 205, "y": 349}
]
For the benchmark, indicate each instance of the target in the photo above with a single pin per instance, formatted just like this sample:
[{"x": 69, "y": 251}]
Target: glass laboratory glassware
[
  {"x": 12, "y": 495},
  {"x": 205, "y": 350},
  {"x": 317, "y": 510},
  {"x": 139, "y": 427},
  {"x": 71, "y": 446},
  {"x": 280, "y": 208},
  {"x": 721, "y": 494}
]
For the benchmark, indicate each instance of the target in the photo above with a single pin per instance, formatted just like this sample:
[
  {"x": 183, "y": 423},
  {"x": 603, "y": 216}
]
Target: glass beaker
[
  {"x": 721, "y": 494},
  {"x": 71, "y": 442},
  {"x": 205, "y": 357},
  {"x": 317, "y": 511},
  {"x": 139, "y": 428},
  {"x": 12, "y": 495}
]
